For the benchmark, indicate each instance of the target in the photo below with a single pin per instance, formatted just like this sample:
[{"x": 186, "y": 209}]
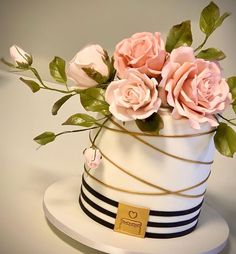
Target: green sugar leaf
[
  {"x": 57, "y": 69},
  {"x": 35, "y": 87},
  {"x": 179, "y": 35},
  {"x": 209, "y": 16},
  {"x": 152, "y": 124},
  {"x": 80, "y": 120},
  {"x": 225, "y": 140},
  {"x": 221, "y": 19},
  {"x": 211, "y": 54},
  {"x": 232, "y": 86},
  {"x": 57, "y": 105},
  {"x": 92, "y": 99},
  {"x": 210, "y": 19},
  {"x": 45, "y": 138}
]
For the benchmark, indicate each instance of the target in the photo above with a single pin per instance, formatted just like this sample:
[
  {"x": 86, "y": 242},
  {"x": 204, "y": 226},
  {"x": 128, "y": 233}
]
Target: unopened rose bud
[
  {"x": 20, "y": 56},
  {"x": 88, "y": 66},
  {"x": 92, "y": 157}
]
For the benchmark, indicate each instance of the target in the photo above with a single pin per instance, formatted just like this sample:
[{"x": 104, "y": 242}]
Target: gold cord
[
  {"x": 140, "y": 179},
  {"x": 168, "y": 192},
  {"x": 125, "y": 131},
  {"x": 158, "y": 149},
  {"x": 136, "y": 135}
]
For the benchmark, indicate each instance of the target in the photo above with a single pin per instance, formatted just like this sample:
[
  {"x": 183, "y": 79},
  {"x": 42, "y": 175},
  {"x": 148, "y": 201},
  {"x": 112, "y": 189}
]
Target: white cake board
[{"x": 63, "y": 211}]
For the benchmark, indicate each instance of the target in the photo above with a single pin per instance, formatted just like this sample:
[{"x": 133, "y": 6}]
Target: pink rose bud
[
  {"x": 91, "y": 57},
  {"x": 92, "y": 157},
  {"x": 19, "y": 55}
]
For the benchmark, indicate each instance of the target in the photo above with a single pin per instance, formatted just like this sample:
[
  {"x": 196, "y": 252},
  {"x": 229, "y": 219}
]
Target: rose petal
[
  {"x": 142, "y": 51},
  {"x": 135, "y": 97}
]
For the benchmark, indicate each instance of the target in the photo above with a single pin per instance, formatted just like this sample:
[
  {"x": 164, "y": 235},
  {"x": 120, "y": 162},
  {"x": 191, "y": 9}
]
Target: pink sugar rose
[
  {"x": 144, "y": 52},
  {"x": 135, "y": 97},
  {"x": 89, "y": 57},
  {"x": 92, "y": 157},
  {"x": 195, "y": 87}
]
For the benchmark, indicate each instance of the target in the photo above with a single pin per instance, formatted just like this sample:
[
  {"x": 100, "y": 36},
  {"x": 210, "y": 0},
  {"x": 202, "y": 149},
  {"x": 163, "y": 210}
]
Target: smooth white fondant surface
[
  {"x": 153, "y": 166},
  {"x": 62, "y": 209}
]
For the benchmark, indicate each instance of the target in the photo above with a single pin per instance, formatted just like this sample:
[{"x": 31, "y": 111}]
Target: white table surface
[{"x": 26, "y": 172}]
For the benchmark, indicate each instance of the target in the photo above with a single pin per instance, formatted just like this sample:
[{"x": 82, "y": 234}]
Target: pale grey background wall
[{"x": 58, "y": 27}]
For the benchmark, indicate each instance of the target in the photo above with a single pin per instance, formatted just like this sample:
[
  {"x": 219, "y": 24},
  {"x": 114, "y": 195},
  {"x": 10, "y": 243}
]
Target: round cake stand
[{"x": 62, "y": 209}]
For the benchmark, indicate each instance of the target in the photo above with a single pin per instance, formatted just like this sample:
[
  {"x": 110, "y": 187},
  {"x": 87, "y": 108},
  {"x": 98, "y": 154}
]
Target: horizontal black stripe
[
  {"x": 176, "y": 213},
  {"x": 152, "y": 212},
  {"x": 150, "y": 224},
  {"x": 98, "y": 195},
  {"x": 96, "y": 206},
  {"x": 171, "y": 235},
  {"x": 94, "y": 217},
  {"x": 172, "y": 224},
  {"x": 148, "y": 234}
]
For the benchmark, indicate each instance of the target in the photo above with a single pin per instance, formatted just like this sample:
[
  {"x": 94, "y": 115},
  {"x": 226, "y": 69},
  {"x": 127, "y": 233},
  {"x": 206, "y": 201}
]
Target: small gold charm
[{"x": 131, "y": 220}]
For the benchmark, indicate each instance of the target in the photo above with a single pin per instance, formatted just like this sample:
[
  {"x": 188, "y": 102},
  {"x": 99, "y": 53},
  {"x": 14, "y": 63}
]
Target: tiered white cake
[{"x": 144, "y": 171}]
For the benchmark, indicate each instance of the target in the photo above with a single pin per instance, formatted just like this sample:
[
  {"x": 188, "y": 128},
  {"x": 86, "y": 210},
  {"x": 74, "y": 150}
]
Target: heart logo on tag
[
  {"x": 131, "y": 220},
  {"x": 133, "y": 214}
]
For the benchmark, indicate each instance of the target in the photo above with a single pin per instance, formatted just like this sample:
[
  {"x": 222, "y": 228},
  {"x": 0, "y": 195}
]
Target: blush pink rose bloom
[
  {"x": 135, "y": 97},
  {"x": 194, "y": 87},
  {"x": 19, "y": 55},
  {"x": 144, "y": 52},
  {"x": 89, "y": 57},
  {"x": 92, "y": 157}
]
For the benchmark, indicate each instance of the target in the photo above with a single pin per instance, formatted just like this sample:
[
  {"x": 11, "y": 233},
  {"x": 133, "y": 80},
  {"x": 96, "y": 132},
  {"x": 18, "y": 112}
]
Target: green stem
[
  {"x": 65, "y": 132},
  {"x": 105, "y": 117},
  {"x": 67, "y": 88},
  {"x": 35, "y": 72},
  {"x": 100, "y": 129},
  {"x": 58, "y": 90},
  {"x": 227, "y": 120},
  {"x": 202, "y": 44},
  {"x": 15, "y": 71},
  {"x": 216, "y": 119}
]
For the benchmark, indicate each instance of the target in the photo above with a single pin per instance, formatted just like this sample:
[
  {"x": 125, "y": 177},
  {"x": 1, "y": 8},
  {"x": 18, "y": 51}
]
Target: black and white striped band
[{"x": 88, "y": 206}]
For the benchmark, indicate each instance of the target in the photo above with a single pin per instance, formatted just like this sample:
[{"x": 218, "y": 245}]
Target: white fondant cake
[{"x": 134, "y": 171}]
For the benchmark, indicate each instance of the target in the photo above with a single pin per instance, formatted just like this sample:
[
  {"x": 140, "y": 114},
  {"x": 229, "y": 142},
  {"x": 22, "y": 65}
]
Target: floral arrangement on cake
[{"x": 143, "y": 75}]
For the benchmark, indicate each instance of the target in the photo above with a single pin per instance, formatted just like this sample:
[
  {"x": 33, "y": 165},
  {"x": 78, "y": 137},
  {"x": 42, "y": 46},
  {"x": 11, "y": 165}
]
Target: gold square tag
[{"x": 131, "y": 220}]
